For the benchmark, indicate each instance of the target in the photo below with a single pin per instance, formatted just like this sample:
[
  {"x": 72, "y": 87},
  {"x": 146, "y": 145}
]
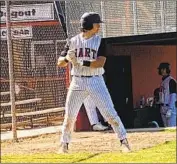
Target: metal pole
[
  {"x": 135, "y": 18},
  {"x": 103, "y": 18},
  {"x": 11, "y": 73},
  {"x": 68, "y": 34},
  {"x": 162, "y": 15}
]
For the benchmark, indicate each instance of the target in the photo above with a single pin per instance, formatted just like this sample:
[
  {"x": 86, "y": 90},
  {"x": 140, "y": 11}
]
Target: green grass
[
  {"x": 46, "y": 158},
  {"x": 170, "y": 130},
  {"x": 164, "y": 153},
  {"x": 160, "y": 154}
]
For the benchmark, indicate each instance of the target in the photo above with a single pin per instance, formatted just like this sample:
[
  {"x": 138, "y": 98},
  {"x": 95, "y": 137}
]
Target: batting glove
[
  {"x": 168, "y": 114},
  {"x": 71, "y": 57}
]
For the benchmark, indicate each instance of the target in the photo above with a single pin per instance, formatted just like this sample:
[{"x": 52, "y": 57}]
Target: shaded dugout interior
[{"x": 131, "y": 72}]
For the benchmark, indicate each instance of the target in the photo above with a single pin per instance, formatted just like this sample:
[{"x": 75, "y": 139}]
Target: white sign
[
  {"x": 30, "y": 12},
  {"x": 17, "y": 33}
]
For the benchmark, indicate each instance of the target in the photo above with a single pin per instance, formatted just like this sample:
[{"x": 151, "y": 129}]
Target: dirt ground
[{"x": 85, "y": 142}]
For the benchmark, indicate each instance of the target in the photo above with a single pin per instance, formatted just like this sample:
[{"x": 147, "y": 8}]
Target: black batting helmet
[{"x": 88, "y": 19}]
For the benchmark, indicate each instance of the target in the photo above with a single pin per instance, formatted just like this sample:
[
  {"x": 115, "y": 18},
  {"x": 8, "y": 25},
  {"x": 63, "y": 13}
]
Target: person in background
[{"x": 167, "y": 95}]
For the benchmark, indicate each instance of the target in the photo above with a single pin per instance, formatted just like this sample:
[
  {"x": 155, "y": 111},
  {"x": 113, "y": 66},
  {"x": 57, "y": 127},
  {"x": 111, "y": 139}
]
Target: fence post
[
  {"x": 11, "y": 73},
  {"x": 69, "y": 35},
  {"x": 103, "y": 18},
  {"x": 162, "y": 16},
  {"x": 135, "y": 22}
]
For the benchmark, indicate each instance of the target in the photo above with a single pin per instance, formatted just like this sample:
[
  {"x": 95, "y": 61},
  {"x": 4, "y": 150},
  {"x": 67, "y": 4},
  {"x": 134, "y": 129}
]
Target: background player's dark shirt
[{"x": 172, "y": 85}]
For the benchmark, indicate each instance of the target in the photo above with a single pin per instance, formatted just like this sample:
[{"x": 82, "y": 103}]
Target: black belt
[
  {"x": 86, "y": 76},
  {"x": 163, "y": 104}
]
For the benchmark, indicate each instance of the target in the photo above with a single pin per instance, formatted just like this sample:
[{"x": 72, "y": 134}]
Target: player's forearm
[
  {"x": 62, "y": 62},
  {"x": 99, "y": 63}
]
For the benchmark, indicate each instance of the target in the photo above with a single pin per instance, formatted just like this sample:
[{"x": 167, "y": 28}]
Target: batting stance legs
[
  {"x": 73, "y": 104},
  {"x": 91, "y": 110},
  {"x": 79, "y": 89},
  {"x": 92, "y": 114}
]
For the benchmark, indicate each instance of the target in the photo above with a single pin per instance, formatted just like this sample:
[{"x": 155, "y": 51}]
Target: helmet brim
[{"x": 101, "y": 21}]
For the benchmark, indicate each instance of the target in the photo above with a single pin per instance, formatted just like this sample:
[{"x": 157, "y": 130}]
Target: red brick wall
[{"x": 145, "y": 60}]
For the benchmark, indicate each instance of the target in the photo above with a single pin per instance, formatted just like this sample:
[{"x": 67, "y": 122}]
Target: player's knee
[{"x": 68, "y": 122}]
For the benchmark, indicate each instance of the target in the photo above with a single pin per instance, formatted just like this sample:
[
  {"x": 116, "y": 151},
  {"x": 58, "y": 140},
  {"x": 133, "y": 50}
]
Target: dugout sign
[
  {"x": 27, "y": 13},
  {"x": 17, "y": 33}
]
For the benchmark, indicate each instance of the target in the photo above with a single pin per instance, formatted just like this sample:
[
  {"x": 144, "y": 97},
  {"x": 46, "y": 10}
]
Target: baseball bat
[
  {"x": 62, "y": 20},
  {"x": 61, "y": 16}
]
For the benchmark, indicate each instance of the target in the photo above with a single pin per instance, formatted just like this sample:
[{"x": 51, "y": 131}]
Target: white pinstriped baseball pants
[
  {"x": 90, "y": 108},
  {"x": 168, "y": 122},
  {"x": 79, "y": 89}
]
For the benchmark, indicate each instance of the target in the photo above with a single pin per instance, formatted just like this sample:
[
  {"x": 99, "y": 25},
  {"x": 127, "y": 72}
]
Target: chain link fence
[
  {"x": 40, "y": 86},
  {"x": 124, "y": 18}
]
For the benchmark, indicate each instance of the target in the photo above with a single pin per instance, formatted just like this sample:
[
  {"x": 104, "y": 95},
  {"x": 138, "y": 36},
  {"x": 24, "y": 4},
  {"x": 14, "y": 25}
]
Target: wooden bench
[
  {"x": 46, "y": 111},
  {"x": 21, "y": 102},
  {"x": 30, "y": 118},
  {"x": 5, "y": 93}
]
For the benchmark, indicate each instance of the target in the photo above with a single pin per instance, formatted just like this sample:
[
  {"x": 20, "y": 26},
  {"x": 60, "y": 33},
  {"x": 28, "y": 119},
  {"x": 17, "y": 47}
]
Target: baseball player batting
[{"x": 86, "y": 53}]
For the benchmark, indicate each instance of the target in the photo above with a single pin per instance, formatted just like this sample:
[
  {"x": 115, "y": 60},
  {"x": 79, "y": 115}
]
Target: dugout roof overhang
[{"x": 169, "y": 38}]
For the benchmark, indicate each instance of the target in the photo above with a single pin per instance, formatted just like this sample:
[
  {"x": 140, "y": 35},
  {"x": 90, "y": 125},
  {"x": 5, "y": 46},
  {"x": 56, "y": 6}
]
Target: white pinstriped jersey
[
  {"x": 164, "y": 95},
  {"x": 86, "y": 49}
]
